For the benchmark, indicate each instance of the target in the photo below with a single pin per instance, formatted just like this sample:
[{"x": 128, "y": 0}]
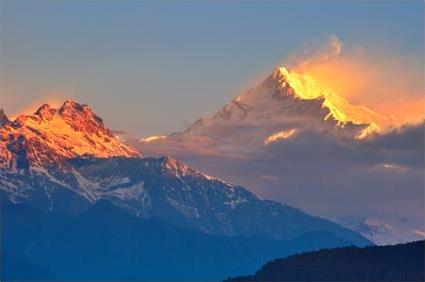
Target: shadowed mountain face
[
  {"x": 405, "y": 262},
  {"x": 105, "y": 243},
  {"x": 166, "y": 189}
]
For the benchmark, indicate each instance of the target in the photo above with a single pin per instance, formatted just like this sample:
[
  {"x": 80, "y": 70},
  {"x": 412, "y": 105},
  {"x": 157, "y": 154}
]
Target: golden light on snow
[
  {"x": 69, "y": 132},
  {"x": 281, "y": 135},
  {"x": 387, "y": 87},
  {"x": 153, "y": 138},
  {"x": 34, "y": 105},
  {"x": 392, "y": 167},
  {"x": 306, "y": 87}
]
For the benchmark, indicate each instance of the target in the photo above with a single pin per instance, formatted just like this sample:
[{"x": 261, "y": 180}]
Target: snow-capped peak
[
  {"x": 73, "y": 108},
  {"x": 280, "y": 73},
  {"x": 175, "y": 167},
  {"x": 52, "y": 134},
  {"x": 45, "y": 112},
  {"x": 306, "y": 87},
  {"x": 81, "y": 118},
  {"x": 3, "y": 118},
  {"x": 286, "y": 105},
  {"x": 287, "y": 97}
]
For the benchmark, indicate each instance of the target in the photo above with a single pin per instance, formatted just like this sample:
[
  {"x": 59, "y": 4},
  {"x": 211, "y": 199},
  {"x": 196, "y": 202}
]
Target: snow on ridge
[{"x": 52, "y": 134}]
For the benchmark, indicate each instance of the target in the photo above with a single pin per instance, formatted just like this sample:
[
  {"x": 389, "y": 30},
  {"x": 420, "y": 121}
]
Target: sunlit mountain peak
[
  {"x": 343, "y": 111},
  {"x": 51, "y": 134},
  {"x": 3, "y": 118}
]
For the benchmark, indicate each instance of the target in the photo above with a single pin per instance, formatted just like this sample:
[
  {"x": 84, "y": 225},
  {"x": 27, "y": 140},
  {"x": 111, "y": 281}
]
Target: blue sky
[{"x": 150, "y": 67}]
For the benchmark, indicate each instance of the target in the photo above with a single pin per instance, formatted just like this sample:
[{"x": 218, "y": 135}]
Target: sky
[{"x": 152, "y": 67}]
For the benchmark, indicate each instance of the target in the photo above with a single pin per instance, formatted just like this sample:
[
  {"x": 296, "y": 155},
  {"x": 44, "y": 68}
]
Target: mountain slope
[
  {"x": 167, "y": 189},
  {"x": 404, "y": 262},
  {"x": 79, "y": 246}
]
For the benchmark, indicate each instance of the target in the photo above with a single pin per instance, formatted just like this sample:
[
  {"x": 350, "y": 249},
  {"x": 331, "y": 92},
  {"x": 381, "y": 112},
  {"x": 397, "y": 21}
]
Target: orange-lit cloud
[
  {"x": 53, "y": 98},
  {"x": 391, "y": 85}
]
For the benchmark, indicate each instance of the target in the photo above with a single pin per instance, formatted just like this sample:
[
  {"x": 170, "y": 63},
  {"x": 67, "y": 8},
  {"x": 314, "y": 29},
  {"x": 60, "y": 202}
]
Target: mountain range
[
  {"x": 292, "y": 139},
  {"x": 68, "y": 152},
  {"x": 64, "y": 177}
]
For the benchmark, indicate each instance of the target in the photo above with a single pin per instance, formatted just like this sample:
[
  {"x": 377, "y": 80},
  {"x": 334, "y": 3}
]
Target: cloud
[
  {"x": 322, "y": 174},
  {"x": 418, "y": 233},
  {"x": 390, "y": 84},
  {"x": 53, "y": 98},
  {"x": 321, "y": 50},
  {"x": 269, "y": 177},
  {"x": 335, "y": 44},
  {"x": 407, "y": 137},
  {"x": 319, "y": 173}
]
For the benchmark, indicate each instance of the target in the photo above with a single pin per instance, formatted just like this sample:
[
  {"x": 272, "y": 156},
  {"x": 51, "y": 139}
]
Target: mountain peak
[
  {"x": 174, "y": 166},
  {"x": 300, "y": 86},
  {"x": 278, "y": 79},
  {"x": 306, "y": 87},
  {"x": 45, "y": 112},
  {"x": 287, "y": 101},
  {"x": 72, "y": 105},
  {"x": 3, "y": 118},
  {"x": 50, "y": 135},
  {"x": 72, "y": 108},
  {"x": 282, "y": 72},
  {"x": 82, "y": 118}
]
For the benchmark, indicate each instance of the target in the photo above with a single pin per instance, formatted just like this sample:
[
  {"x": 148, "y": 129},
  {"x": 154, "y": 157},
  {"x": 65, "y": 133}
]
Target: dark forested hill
[{"x": 404, "y": 262}]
